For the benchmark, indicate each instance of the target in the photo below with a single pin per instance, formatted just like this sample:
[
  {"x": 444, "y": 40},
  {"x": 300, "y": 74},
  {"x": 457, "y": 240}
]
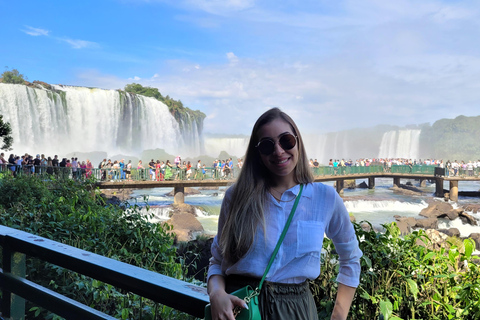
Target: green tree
[
  {"x": 5, "y": 134},
  {"x": 13, "y": 76}
]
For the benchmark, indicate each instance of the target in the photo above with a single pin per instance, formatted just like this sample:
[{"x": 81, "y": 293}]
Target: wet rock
[
  {"x": 366, "y": 227},
  {"x": 185, "y": 226},
  {"x": 116, "y": 195},
  {"x": 452, "y": 232},
  {"x": 350, "y": 184},
  {"x": 363, "y": 185},
  {"x": 428, "y": 223},
  {"x": 474, "y": 208},
  {"x": 468, "y": 219},
  {"x": 437, "y": 240},
  {"x": 475, "y": 237},
  {"x": 405, "y": 224},
  {"x": 187, "y": 191},
  {"x": 440, "y": 210},
  {"x": 406, "y": 191}
]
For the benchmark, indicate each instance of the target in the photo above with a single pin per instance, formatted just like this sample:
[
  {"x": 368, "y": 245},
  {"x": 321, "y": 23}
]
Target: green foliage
[
  {"x": 70, "y": 212},
  {"x": 13, "y": 76},
  {"x": 453, "y": 139},
  {"x": 403, "y": 280},
  {"x": 176, "y": 108},
  {"x": 5, "y": 134}
]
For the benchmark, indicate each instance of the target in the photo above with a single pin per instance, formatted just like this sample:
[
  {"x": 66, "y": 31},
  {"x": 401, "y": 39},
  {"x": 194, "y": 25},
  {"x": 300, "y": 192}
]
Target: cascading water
[
  {"x": 400, "y": 144},
  {"x": 79, "y": 119}
]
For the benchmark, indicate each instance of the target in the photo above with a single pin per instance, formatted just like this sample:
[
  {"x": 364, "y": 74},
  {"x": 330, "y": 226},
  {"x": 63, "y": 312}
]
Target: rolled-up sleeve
[{"x": 342, "y": 233}]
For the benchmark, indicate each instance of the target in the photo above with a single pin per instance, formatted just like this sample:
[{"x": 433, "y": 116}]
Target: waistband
[{"x": 235, "y": 282}]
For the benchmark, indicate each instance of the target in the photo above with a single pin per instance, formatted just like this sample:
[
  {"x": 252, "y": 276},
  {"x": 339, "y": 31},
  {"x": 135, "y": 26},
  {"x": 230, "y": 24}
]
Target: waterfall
[
  {"x": 400, "y": 144},
  {"x": 79, "y": 119},
  {"x": 234, "y": 146}
]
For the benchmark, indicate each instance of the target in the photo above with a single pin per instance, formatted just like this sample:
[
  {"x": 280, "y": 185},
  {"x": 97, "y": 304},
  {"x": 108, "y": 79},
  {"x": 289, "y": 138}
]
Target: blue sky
[{"x": 331, "y": 65}]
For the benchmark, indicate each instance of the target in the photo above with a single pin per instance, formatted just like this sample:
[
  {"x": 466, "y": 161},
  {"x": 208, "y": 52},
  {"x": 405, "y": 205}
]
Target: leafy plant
[
  {"x": 402, "y": 279},
  {"x": 72, "y": 212}
]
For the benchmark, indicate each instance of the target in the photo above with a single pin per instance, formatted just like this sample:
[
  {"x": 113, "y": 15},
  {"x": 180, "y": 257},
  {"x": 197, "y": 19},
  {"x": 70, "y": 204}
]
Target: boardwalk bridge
[{"x": 322, "y": 174}]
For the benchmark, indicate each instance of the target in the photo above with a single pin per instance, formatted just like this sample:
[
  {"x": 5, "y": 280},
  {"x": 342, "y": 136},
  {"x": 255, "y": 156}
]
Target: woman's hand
[{"x": 223, "y": 304}]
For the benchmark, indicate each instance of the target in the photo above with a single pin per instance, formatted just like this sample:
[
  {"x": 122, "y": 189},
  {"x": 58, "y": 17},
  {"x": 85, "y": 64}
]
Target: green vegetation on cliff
[
  {"x": 182, "y": 114},
  {"x": 452, "y": 139},
  {"x": 5, "y": 134},
  {"x": 12, "y": 76}
]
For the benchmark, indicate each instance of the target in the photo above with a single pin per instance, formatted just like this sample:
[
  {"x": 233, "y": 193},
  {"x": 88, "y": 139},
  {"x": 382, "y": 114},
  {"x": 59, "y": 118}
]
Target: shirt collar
[{"x": 307, "y": 190}]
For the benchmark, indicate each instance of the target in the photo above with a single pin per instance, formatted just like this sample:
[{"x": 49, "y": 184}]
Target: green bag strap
[{"x": 282, "y": 236}]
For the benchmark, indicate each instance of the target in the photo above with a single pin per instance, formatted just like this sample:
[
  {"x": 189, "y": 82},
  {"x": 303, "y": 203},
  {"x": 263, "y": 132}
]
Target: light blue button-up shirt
[{"x": 320, "y": 212}]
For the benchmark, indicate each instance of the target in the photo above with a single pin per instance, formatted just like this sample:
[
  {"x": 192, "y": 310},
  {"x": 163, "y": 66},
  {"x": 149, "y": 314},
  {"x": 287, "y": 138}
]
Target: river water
[{"x": 378, "y": 206}]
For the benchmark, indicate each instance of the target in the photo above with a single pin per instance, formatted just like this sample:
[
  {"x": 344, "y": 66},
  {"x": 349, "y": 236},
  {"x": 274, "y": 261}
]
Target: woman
[
  {"x": 189, "y": 170},
  {"x": 252, "y": 217},
  {"x": 158, "y": 171},
  {"x": 140, "y": 170},
  {"x": 49, "y": 166},
  {"x": 168, "y": 170},
  {"x": 88, "y": 169}
]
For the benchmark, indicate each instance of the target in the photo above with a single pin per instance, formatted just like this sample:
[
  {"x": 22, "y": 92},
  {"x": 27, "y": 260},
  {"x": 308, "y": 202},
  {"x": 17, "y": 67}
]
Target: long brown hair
[{"x": 245, "y": 209}]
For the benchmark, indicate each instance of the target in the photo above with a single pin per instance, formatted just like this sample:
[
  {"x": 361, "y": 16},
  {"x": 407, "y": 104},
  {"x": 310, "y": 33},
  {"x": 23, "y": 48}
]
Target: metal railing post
[{"x": 13, "y": 306}]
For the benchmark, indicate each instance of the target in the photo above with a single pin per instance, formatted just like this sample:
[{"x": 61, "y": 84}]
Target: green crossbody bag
[{"x": 247, "y": 293}]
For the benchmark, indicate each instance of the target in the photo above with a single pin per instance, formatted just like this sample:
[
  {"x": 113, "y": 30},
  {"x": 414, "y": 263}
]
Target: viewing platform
[
  {"x": 323, "y": 174},
  {"x": 213, "y": 177}
]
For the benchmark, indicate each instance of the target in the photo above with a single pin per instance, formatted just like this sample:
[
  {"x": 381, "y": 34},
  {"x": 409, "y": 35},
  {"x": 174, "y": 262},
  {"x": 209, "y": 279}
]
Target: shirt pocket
[{"x": 309, "y": 238}]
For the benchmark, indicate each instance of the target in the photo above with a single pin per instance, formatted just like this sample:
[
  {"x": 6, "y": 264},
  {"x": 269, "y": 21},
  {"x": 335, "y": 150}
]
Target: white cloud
[
  {"x": 78, "y": 44},
  {"x": 232, "y": 58},
  {"x": 220, "y": 7},
  {"x": 35, "y": 31}
]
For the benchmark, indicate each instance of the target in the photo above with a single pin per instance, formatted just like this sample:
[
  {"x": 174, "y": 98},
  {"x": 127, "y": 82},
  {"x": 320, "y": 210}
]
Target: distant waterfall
[
  {"x": 79, "y": 119},
  {"x": 234, "y": 146},
  {"x": 400, "y": 144}
]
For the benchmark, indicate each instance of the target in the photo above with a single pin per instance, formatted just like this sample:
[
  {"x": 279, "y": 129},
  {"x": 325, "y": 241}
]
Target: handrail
[
  {"x": 174, "y": 293},
  {"x": 117, "y": 175}
]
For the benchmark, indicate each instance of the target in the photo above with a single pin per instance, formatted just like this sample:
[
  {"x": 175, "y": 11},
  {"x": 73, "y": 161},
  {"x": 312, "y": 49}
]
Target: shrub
[
  {"x": 72, "y": 212},
  {"x": 403, "y": 280}
]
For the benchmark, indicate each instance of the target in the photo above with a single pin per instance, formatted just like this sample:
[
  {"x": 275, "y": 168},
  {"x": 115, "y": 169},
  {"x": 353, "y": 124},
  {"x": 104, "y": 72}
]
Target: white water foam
[{"x": 385, "y": 206}]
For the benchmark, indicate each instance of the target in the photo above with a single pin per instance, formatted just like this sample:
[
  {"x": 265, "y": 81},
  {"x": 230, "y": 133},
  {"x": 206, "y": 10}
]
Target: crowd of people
[
  {"x": 452, "y": 168},
  {"x": 157, "y": 170},
  {"x": 113, "y": 170},
  {"x": 40, "y": 164}
]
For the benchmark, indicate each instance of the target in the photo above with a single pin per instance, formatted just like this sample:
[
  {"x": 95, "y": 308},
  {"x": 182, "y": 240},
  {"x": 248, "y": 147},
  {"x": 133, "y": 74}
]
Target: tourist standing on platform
[
  {"x": 88, "y": 171},
  {"x": 168, "y": 170},
  {"x": 253, "y": 215},
  {"x": 189, "y": 170},
  {"x": 74, "y": 166},
  {"x": 198, "y": 174},
  {"x": 158, "y": 171},
  {"x": 122, "y": 169},
  {"x": 151, "y": 166},
  {"x": 49, "y": 166},
  {"x": 128, "y": 170},
  {"x": 470, "y": 168}
]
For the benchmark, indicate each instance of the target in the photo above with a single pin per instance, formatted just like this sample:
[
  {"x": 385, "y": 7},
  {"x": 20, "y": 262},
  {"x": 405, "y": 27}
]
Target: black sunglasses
[{"x": 287, "y": 141}]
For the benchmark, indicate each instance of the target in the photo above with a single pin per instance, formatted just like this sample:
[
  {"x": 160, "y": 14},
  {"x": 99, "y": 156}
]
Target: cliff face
[{"x": 452, "y": 139}]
